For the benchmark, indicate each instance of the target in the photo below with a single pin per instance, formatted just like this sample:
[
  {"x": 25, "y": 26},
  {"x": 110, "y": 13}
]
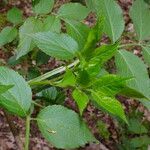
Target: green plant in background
[{"x": 85, "y": 75}]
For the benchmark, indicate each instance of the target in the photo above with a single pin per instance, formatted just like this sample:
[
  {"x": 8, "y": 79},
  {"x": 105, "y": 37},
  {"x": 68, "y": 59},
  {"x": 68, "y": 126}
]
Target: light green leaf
[
  {"x": 4, "y": 88},
  {"x": 63, "y": 128},
  {"x": 31, "y": 25},
  {"x": 69, "y": 79},
  {"x": 109, "y": 104},
  {"x": 43, "y": 6},
  {"x": 113, "y": 18},
  {"x": 146, "y": 54},
  {"x": 56, "y": 45},
  {"x": 81, "y": 99},
  {"x": 52, "y": 23},
  {"x": 78, "y": 31},
  {"x": 7, "y": 35},
  {"x": 15, "y": 16},
  {"x": 73, "y": 11},
  {"x": 129, "y": 65},
  {"x": 17, "y": 100},
  {"x": 140, "y": 14}
]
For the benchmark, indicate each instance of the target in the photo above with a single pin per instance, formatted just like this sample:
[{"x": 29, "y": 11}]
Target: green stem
[
  {"x": 27, "y": 138},
  {"x": 132, "y": 44},
  {"x": 52, "y": 73}
]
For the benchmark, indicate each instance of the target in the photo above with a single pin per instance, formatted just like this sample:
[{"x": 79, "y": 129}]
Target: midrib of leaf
[
  {"x": 130, "y": 70},
  {"x": 110, "y": 21},
  {"x": 141, "y": 24}
]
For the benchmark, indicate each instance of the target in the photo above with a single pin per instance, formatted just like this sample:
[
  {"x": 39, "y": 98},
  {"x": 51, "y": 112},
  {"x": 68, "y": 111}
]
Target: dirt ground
[{"x": 91, "y": 116}]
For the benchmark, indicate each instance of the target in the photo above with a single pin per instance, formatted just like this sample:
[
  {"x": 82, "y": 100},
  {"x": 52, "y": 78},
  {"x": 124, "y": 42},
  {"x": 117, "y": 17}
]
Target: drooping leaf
[
  {"x": 43, "y": 6},
  {"x": 63, "y": 128},
  {"x": 109, "y": 104},
  {"x": 7, "y": 35},
  {"x": 52, "y": 23},
  {"x": 129, "y": 65},
  {"x": 4, "y": 88},
  {"x": 69, "y": 79},
  {"x": 140, "y": 14},
  {"x": 31, "y": 25},
  {"x": 113, "y": 18},
  {"x": 146, "y": 54},
  {"x": 81, "y": 99},
  {"x": 56, "y": 45},
  {"x": 17, "y": 99},
  {"x": 78, "y": 31},
  {"x": 15, "y": 16},
  {"x": 73, "y": 11}
]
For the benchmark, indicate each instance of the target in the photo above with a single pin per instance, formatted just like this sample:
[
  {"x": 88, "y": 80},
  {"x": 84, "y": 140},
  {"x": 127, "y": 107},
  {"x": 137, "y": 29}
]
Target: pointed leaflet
[
  {"x": 129, "y": 65},
  {"x": 113, "y": 23},
  {"x": 63, "y": 128},
  {"x": 60, "y": 46},
  {"x": 112, "y": 84},
  {"x": 15, "y": 16},
  {"x": 43, "y": 6},
  {"x": 109, "y": 104},
  {"x": 140, "y": 14},
  {"x": 7, "y": 35},
  {"x": 31, "y": 25},
  {"x": 17, "y": 100},
  {"x": 73, "y": 11},
  {"x": 81, "y": 99},
  {"x": 146, "y": 54}
]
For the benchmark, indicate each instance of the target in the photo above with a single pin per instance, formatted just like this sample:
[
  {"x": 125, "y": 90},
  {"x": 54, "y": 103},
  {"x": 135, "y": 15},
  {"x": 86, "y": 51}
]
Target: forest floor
[{"x": 91, "y": 116}]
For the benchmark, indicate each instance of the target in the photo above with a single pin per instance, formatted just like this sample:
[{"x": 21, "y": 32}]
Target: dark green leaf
[
  {"x": 30, "y": 26},
  {"x": 81, "y": 99},
  {"x": 43, "y": 6},
  {"x": 15, "y": 16},
  {"x": 129, "y": 65},
  {"x": 140, "y": 14},
  {"x": 7, "y": 35},
  {"x": 56, "y": 45},
  {"x": 63, "y": 127},
  {"x": 74, "y": 11},
  {"x": 17, "y": 99},
  {"x": 109, "y": 104}
]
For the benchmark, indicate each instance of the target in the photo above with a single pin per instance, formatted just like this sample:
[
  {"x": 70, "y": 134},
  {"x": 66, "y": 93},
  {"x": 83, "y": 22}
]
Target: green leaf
[
  {"x": 79, "y": 31},
  {"x": 135, "y": 127},
  {"x": 17, "y": 100},
  {"x": 7, "y": 35},
  {"x": 81, "y": 99},
  {"x": 73, "y": 11},
  {"x": 140, "y": 15},
  {"x": 109, "y": 104},
  {"x": 30, "y": 26},
  {"x": 43, "y": 6},
  {"x": 69, "y": 79},
  {"x": 146, "y": 54},
  {"x": 113, "y": 18},
  {"x": 14, "y": 16},
  {"x": 4, "y": 88},
  {"x": 63, "y": 128},
  {"x": 52, "y": 23},
  {"x": 52, "y": 95},
  {"x": 109, "y": 84},
  {"x": 139, "y": 142},
  {"x": 129, "y": 65},
  {"x": 56, "y": 45}
]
